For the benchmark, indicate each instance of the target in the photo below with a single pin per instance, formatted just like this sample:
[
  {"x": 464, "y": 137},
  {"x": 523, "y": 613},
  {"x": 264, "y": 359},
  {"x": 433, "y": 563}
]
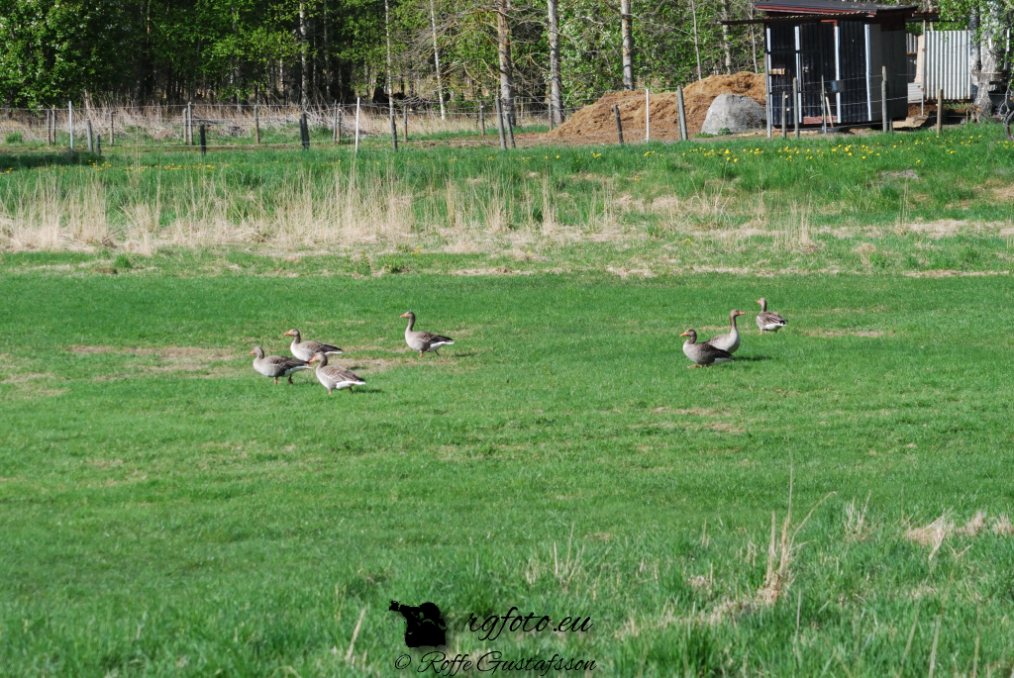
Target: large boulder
[{"x": 732, "y": 113}]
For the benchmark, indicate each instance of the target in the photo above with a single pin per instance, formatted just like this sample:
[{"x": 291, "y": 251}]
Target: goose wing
[{"x": 340, "y": 375}]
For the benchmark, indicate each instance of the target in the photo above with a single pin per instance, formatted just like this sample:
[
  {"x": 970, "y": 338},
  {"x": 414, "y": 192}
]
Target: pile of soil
[{"x": 597, "y": 124}]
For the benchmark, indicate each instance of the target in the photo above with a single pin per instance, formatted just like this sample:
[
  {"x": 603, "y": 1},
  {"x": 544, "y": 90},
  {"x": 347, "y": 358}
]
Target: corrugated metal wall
[{"x": 947, "y": 65}]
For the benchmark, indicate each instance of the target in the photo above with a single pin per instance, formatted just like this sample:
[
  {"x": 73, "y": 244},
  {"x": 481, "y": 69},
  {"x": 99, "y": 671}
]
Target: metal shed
[{"x": 837, "y": 51}]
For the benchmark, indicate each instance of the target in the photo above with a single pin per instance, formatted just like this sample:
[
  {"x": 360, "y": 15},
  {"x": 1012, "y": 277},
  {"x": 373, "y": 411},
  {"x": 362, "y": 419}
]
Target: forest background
[{"x": 432, "y": 52}]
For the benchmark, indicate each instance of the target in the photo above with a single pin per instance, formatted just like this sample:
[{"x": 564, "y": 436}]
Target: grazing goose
[
  {"x": 275, "y": 365},
  {"x": 703, "y": 354},
  {"x": 768, "y": 321},
  {"x": 334, "y": 377},
  {"x": 423, "y": 341},
  {"x": 728, "y": 342},
  {"x": 304, "y": 350}
]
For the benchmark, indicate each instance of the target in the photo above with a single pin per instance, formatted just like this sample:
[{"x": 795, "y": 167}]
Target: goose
[
  {"x": 728, "y": 342},
  {"x": 334, "y": 377},
  {"x": 703, "y": 354},
  {"x": 768, "y": 321},
  {"x": 304, "y": 350},
  {"x": 275, "y": 365},
  {"x": 423, "y": 341}
]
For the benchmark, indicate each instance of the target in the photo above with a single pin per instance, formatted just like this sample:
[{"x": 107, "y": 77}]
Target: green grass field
[{"x": 167, "y": 511}]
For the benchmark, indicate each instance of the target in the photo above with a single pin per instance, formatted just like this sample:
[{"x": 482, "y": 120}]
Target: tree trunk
[
  {"x": 304, "y": 54},
  {"x": 985, "y": 72},
  {"x": 390, "y": 78},
  {"x": 503, "y": 31},
  {"x": 327, "y": 59},
  {"x": 628, "y": 45},
  {"x": 555, "y": 83},
  {"x": 726, "y": 44},
  {"x": 436, "y": 59},
  {"x": 697, "y": 47},
  {"x": 753, "y": 40}
]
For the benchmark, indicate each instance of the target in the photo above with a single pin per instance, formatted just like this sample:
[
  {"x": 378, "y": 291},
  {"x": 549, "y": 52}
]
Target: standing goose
[
  {"x": 304, "y": 350},
  {"x": 728, "y": 342},
  {"x": 703, "y": 354},
  {"x": 768, "y": 321},
  {"x": 423, "y": 341},
  {"x": 275, "y": 365},
  {"x": 334, "y": 377}
]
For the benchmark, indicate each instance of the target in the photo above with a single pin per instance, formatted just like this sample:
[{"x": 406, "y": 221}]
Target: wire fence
[{"x": 275, "y": 125}]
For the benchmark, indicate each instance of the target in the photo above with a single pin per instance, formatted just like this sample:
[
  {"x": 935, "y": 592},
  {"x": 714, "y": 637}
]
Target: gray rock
[{"x": 733, "y": 113}]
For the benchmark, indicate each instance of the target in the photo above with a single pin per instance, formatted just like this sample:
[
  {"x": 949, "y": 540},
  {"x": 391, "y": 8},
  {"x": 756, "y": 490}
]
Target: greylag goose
[
  {"x": 275, "y": 365},
  {"x": 728, "y": 342},
  {"x": 768, "y": 321},
  {"x": 334, "y": 377},
  {"x": 304, "y": 350},
  {"x": 423, "y": 341},
  {"x": 703, "y": 354}
]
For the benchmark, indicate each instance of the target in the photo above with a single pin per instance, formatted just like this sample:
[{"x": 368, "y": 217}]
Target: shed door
[
  {"x": 781, "y": 67},
  {"x": 816, "y": 65},
  {"x": 852, "y": 92}
]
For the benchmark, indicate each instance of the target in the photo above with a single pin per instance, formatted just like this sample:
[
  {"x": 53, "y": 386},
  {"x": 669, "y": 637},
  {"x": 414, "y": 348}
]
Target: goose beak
[
  {"x": 252, "y": 353},
  {"x": 404, "y": 315},
  {"x": 684, "y": 334},
  {"x": 288, "y": 334}
]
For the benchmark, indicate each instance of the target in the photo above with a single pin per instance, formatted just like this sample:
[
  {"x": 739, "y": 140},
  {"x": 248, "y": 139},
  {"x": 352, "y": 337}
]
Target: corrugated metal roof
[{"x": 828, "y": 6}]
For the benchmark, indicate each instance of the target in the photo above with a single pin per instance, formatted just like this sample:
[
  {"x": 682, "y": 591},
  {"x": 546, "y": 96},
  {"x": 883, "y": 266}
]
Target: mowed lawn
[{"x": 168, "y": 511}]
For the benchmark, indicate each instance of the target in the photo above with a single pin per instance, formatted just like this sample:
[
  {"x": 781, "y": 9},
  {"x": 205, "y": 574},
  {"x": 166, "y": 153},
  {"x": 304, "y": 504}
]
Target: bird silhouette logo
[{"x": 425, "y": 627}]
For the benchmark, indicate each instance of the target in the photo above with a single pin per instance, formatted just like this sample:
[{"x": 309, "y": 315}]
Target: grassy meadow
[
  {"x": 837, "y": 502},
  {"x": 899, "y": 203}
]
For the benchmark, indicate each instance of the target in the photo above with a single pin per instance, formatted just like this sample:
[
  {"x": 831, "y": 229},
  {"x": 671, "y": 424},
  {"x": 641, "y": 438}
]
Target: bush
[{"x": 14, "y": 138}]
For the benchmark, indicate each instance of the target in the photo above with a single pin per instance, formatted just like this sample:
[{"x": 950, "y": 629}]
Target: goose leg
[
  {"x": 276, "y": 381},
  {"x": 290, "y": 378}
]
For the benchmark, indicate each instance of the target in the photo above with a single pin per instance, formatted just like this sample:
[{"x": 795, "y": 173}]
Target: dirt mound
[{"x": 596, "y": 123}]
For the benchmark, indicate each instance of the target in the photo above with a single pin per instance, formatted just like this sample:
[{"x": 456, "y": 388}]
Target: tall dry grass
[{"x": 166, "y": 123}]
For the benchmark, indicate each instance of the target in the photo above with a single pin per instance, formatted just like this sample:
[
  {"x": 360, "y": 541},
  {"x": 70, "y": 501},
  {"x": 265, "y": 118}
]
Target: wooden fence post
[
  {"x": 482, "y": 119},
  {"x": 394, "y": 127},
  {"x": 681, "y": 113},
  {"x": 619, "y": 125},
  {"x": 404, "y": 115},
  {"x": 257, "y": 125},
  {"x": 334, "y": 124},
  {"x": 91, "y": 139},
  {"x": 70, "y": 123},
  {"x": 356, "y": 150},
  {"x": 499, "y": 125},
  {"x": 98, "y": 145},
  {"x": 940, "y": 111},
  {"x": 795, "y": 106},
  {"x": 112, "y": 128},
  {"x": 883, "y": 97},
  {"x": 204, "y": 141},
  {"x": 304, "y": 131},
  {"x": 647, "y": 114},
  {"x": 785, "y": 111}
]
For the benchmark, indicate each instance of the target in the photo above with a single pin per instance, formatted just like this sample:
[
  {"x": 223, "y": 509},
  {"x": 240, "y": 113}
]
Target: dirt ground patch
[
  {"x": 596, "y": 122},
  {"x": 172, "y": 358}
]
